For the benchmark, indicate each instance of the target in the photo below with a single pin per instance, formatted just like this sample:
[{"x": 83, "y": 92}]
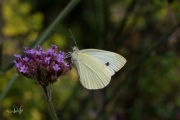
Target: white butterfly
[{"x": 95, "y": 67}]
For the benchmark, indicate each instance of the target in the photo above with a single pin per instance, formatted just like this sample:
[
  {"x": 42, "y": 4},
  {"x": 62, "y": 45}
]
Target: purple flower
[
  {"x": 38, "y": 53},
  {"x": 62, "y": 54},
  {"x": 18, "y": 65},
  {"x": 50, "y": 51},
  {"x": 56, "y": 67},
  {"x": 43, "y": 66},
  {"x": 54, "y": 46},
  {"x": 47, "y": 60},
  {"x": 17, "y": 55},
  {"x": 23, "y": 69},
  {"x": 40, "y": 48},
  {"x": 26, "y": 59},
  {"x": 66, "y": 65},
  {"x": 26, "y": 48},
  {"x": 32, "y": 51},
  {"x": 59, "y": 59}
]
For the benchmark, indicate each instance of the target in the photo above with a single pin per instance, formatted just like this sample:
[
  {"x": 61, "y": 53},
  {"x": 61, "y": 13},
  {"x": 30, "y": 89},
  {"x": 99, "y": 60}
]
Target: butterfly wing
[
  {"x": 93, "y": 75},
  {"x": 112, "y": 61}
]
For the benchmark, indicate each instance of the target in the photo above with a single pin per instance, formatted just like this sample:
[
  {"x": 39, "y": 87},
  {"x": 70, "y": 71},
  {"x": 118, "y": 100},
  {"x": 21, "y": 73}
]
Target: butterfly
[{"x": 95, "y": 67}]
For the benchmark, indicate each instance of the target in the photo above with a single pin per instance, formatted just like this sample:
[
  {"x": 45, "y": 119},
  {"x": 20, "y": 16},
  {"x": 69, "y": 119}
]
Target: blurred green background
[{"x": 145, "y": 32}]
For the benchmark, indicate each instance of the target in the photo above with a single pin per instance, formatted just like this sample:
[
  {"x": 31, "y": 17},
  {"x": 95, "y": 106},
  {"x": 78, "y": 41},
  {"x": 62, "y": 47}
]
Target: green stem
[
  {"x": 12, "y": 80},
  {"x": 1, "y": 53},
  {"x": 50, "y": 104},
  {"x": 66, "y": 10},
  {"x": 51, "y": 108}
]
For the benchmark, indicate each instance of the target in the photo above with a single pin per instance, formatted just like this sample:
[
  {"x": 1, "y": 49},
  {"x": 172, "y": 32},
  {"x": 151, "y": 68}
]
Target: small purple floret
[
  {"x": 56, "y": 67},
  {"x": 54, "y": 46},
  {"x": 40, "y": 48},
  {"x": 23, "y": 69},
  {"x": 18, "y": 65},
  {"x": 50, "y": 51},
  {"x": 43, "y": 66},
  {"x": 17, "y": 55},
  {"x": 38, "y": 53},
  {"x": 59, "y": 59},
  {"x": 47, "y": 60},
  {"x": 26, "y": 59}
]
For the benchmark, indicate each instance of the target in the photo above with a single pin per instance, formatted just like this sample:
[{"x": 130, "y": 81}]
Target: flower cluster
[{"x": 43, "y": 66}]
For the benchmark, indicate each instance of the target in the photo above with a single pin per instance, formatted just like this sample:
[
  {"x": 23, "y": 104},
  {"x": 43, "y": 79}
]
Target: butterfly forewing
[
  {"x": 112, "y": 61},
  {"x": 93, "y": 74}
]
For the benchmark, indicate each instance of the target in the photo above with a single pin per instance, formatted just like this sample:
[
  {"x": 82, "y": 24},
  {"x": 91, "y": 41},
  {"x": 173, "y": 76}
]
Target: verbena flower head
[{"x": 43, "y": 66}]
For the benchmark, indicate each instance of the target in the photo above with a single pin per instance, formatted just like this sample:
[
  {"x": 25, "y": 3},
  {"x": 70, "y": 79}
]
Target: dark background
[{"x": 145, "y": 32}]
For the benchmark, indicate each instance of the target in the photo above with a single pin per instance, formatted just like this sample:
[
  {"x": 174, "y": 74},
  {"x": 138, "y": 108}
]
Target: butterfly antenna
[{"x": 72, "y": 37}]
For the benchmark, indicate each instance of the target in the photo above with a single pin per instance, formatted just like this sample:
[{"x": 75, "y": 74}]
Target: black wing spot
[{"x": 107, "y": 64}]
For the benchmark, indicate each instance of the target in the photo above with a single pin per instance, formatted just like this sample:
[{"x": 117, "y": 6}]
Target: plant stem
[
  {"x": 51, "y": 108},
  {"x": 11, "y": 81},
  {"x": 62, "y": 14},
  {"x": 50, "y": 104}
]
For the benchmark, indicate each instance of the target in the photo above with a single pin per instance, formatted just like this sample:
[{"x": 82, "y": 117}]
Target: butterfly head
[
  {"x": 74, "y": 53},
  {"x": 75, "y": 49}
]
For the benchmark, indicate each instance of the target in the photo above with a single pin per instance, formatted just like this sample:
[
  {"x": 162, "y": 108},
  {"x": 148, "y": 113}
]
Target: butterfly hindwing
[{"x": 93, "y": 75}]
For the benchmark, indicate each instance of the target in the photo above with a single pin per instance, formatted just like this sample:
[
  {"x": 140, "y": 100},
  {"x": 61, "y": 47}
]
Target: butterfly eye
[{"x": 107, "y": 64}]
